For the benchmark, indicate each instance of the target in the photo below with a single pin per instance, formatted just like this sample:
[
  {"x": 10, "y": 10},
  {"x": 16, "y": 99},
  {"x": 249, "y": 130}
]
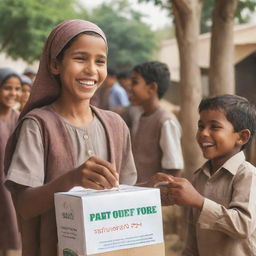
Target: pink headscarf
[{"x": 45, "y": 88}]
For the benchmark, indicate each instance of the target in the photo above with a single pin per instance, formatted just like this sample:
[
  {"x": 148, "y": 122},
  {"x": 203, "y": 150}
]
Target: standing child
[
  {"x": 125, "y": 80},
  {"x": 222, "y": 217},
  {"x": 30, "y": 72},
  {"x": 156, "y": 135},
  {"x": 117, "y": 96},
  {"x": 61, "y": 141},
  {"x": 26, "y": 84},
  {"x": 10, "y": 86},
  {"x": 111, "y": 95}
]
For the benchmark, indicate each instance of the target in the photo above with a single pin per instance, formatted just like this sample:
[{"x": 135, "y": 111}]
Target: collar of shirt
[{"x": 230, "y": 165}]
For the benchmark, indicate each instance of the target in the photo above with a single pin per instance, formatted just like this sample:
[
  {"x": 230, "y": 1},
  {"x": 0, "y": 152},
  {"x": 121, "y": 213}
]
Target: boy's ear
[
  {"x": 154, "y": 87},
  {"x": 244, "y": 136},
  {"x": 54, "y": 67}
]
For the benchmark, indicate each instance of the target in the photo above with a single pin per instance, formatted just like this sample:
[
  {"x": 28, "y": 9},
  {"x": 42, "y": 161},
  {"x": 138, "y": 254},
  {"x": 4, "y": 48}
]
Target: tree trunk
[
  {"x": 221, "y": 75},
  {"x": 187, "y": 20}
]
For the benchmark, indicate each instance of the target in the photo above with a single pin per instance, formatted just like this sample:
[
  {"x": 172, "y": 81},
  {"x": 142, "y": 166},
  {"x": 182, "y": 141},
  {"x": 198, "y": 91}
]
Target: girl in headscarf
[
  {"x": 26, "y": 84},
  {"x": 62, "y": 141},
  {"x": 10, "y": 86}
]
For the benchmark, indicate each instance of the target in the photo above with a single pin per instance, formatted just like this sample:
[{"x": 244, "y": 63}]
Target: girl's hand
[{"x": 96, "y": 173}]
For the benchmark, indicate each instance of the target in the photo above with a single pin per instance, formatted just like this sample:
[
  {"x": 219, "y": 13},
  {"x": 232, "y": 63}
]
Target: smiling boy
[{"x": 222, "y": 219}]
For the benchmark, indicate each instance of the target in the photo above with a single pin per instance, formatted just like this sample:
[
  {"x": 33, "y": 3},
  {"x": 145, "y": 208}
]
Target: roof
[{"x": 244, "y": 45}]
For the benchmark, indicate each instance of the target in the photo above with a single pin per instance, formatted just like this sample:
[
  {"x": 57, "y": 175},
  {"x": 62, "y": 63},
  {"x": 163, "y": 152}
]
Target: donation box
[{"x": 124, "y": 222}]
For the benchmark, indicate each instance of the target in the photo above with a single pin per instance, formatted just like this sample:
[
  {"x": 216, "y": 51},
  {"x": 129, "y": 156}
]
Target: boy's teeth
[{"x": 206, "y": 144}]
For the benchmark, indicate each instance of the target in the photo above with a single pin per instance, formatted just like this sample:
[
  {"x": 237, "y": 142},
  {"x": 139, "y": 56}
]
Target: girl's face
[
  {"x": 25, "y": 93},
  {"x": 216, "y": 137},
  {"x": 83, "y": 67},
  {"x": 139, "y": 91},
  {"x": 10, "y": 92}
]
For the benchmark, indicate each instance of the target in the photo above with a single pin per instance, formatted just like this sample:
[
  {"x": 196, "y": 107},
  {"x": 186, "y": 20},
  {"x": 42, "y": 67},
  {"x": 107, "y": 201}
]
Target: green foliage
[
  {"x": 161, "y": 3},
  {"x": 165, "y": 33},
  {"x": 25, "y": 25},
  {"x": 129, "y": 40},
  {"x": 244, "y": 12}
]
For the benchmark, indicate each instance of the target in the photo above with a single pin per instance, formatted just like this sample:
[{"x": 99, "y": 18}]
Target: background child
[
  {"x": 26, "y": 84},
  {"x": 222, "y": 218},
  {"x": 117, "y": 96},
  {"x": 156, "y": 133},
  {"x": 30, "y": 72},
  {"x": 70, "y": 142},
  {"x": 125, "y": 80},
  {"x": 10, "y": 86},
  {"x": 111, "y": 95}
]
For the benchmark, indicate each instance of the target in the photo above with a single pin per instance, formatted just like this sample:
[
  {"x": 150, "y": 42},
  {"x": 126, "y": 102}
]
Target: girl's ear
[
  {"x": 54, "y": 67},
  {"x": 244, "y": 136}
]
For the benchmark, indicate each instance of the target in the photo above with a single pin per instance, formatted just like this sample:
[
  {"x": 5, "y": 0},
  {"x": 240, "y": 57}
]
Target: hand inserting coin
[{"x": 165, "y": 192}]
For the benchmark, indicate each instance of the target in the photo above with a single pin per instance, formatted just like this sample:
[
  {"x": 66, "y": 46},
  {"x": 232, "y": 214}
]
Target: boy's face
[
  {"x": 216, "y": 137},
  {"x": 109, "y": 81},
  {"x": 140, "y": 91},
  {"x": 126, "y": 83},
  {"x": 83, "y": 67},
  {"x": 10, "y": 92}
]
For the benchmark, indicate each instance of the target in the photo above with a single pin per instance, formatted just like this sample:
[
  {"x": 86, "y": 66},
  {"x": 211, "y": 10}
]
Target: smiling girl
[
  {"x": 10, "y": 86},
  {"x": 61, "y": 140}
]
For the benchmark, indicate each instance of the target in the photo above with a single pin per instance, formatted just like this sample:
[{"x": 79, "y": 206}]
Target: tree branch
[
  {"x": 225, "y": 9},
  {"x": 185, "y": 6}
]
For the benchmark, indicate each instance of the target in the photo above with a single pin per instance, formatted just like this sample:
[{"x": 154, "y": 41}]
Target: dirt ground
[
  {"x": 173, "y": 230},
  {"x": 173, "y": 246}
]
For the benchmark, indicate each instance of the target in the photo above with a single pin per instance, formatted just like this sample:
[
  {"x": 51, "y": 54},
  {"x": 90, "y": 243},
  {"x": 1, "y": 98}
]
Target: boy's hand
[
  {"x": 182, "y": 192},
  {"x": 160, "y": 180},
  {"x": 96, "y": 173}
]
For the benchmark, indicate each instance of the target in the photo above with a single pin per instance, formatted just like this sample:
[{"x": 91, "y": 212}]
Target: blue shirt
[{"x": 118, "y": 96}]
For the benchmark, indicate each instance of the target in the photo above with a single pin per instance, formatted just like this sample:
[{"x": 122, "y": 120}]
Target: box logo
[
  {"x": 68, "y": 212},
  {"x": 68, "y": 252}
]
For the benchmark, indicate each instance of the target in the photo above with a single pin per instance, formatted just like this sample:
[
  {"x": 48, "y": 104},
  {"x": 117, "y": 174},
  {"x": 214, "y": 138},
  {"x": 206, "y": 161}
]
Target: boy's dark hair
[
  {"x": 238, "y": 111},
  {"x": 155, "y": 71},
  {"x": 124, "y": 74},
  {"x": 111, "y": 71}
]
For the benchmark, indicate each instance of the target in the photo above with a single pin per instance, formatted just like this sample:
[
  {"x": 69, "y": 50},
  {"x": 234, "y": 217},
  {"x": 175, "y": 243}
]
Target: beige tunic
[
  {"x": 9, "y": 236},
  {"x": 39, "y": 234},
  {"x": 227, "y": 223},
  {"x": 156, "y": 142},
  {"x": 87, "y": 141}
]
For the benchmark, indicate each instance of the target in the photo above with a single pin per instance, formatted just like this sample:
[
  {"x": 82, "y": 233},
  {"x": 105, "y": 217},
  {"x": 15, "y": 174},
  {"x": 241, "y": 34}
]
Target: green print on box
[
  {"x": 68, "y": 252},
  {"x": 123, "y": 213}
]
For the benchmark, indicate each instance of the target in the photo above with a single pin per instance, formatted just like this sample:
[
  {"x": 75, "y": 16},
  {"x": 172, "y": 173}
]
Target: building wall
[
  {"x": 173, "y": 93},
  {"x": 245, "y": 75}
]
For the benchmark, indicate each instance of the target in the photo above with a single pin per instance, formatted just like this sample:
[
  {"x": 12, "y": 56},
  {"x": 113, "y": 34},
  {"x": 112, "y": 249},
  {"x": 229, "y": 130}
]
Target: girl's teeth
[{"x": 86, "y": 82}]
